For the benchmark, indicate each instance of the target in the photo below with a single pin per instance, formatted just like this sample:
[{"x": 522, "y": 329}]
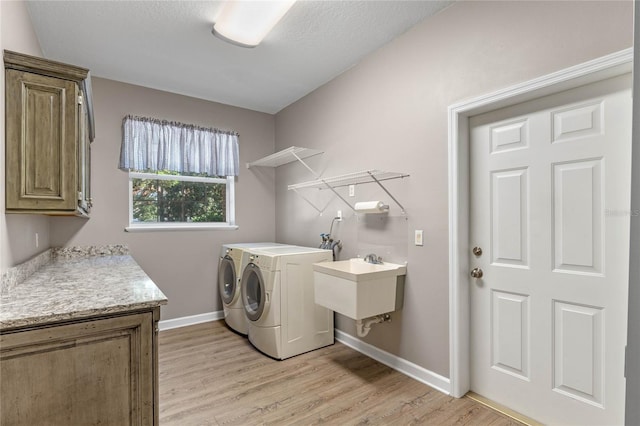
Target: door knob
[{"x": 476, "y": 273}]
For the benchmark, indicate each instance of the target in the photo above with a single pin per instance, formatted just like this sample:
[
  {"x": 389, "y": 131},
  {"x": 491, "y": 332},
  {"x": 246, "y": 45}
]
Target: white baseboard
[
  {"x": 405, "y": 367},
  {"x": 190, "y": 320},
  {"x": 408, "y": 368}
]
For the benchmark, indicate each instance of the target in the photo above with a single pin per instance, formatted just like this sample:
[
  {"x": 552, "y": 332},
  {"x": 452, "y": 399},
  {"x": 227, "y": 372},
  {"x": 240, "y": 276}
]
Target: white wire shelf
[
  {"x": 296, "y": 153},
  {"x": 355, "y": 178},
  {"x": 288, "y": 155}
]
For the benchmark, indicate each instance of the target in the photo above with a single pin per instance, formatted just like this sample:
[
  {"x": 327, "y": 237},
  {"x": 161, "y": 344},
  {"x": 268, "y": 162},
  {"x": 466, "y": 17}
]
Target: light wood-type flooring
[{"x": 210, "y": 375}]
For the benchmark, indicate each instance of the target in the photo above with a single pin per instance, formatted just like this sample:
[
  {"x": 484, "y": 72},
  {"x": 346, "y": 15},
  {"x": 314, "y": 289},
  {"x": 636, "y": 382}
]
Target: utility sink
[{"x": 359, "y": 289}]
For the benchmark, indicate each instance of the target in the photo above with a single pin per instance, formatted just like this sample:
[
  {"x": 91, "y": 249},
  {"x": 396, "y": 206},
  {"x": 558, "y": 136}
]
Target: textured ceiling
[{"x": 168, "y": 45}]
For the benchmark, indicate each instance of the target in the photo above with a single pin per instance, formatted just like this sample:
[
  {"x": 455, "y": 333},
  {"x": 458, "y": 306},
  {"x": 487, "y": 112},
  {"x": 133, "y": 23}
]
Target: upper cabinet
[{"x": 49, "y": 128}]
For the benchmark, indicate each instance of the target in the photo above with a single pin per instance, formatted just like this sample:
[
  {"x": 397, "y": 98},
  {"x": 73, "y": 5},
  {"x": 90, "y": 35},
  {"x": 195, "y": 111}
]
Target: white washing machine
[
  {"x": 278, "y": 300},
  {"x": 229, "y": 273}
]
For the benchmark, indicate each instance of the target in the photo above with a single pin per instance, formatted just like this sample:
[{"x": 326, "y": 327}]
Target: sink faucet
[{"x": 373, "y": 258}]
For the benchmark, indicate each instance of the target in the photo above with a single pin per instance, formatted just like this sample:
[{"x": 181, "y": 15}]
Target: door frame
[{"x": 608, "y": 66}]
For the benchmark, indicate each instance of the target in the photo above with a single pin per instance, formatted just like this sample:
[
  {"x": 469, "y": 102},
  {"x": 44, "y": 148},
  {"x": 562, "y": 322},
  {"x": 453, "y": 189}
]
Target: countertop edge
[{"x": 20, "y": 323}]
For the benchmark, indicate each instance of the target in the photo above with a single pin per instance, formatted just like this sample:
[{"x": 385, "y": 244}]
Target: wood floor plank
[{"x": 210, "y": 375}]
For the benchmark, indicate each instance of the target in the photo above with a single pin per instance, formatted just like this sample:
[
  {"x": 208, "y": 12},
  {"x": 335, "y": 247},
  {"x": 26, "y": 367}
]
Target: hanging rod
[{"x": 356, "y": 178}]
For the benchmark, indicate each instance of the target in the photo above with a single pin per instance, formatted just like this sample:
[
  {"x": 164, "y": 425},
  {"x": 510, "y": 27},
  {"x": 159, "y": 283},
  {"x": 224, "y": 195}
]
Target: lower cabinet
[{"x": 101, "y": 371}]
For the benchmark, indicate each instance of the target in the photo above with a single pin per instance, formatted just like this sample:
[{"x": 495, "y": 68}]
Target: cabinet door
[
  {"x": 88, "y": 373},
  {"x": 41, "y": 135}
]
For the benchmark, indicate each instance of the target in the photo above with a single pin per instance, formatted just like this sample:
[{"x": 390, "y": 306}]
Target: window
[
  {"x": 181, "y": 176},
  {"x": 168, "y": 200}
]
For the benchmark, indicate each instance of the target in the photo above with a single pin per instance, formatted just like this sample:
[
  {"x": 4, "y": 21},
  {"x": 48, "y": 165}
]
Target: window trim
[{"x": 230, "y": 224}]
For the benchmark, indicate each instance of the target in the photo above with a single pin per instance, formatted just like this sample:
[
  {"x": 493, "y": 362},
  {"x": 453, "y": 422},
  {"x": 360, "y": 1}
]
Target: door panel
[
  {"x": 510, "y": 333},
  {"x": 577, "y": 122},
  {"x": 509, "y": 136},
  {"x": 578, "y": 352},
  {"x": 577, "y": 187},
  {"x": 509, "y": 239},
  {"x": 549, "y": 188}
]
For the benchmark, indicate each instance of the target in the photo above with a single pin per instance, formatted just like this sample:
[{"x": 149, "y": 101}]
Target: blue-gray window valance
[{"x": 150, "y": 144}]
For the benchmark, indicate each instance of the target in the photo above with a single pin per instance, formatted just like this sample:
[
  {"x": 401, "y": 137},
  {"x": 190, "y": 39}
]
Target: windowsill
[{"x": 180, "y": 227}]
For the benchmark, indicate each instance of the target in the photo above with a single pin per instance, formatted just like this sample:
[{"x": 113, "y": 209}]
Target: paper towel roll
[{"x": 371, "y": 207}]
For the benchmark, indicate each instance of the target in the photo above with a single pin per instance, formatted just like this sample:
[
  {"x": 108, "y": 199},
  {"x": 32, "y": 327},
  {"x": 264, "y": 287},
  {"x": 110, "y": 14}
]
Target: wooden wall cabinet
[
  {"x": 101, "y": 371},
  {"x": 48, "y": 112}
]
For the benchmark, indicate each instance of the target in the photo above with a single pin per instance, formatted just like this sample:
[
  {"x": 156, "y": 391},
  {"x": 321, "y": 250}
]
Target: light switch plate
[{"x": 418, "y": 237}]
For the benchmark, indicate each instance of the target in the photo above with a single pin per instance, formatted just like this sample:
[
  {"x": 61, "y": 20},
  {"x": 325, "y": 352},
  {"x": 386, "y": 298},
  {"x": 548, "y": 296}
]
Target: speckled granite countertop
[{"x": 83, "y": 286}]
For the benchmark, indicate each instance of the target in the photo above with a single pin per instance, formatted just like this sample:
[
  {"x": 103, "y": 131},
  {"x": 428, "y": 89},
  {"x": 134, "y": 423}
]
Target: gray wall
[
  {"x": 633, "y": 342},
  {"x": 17, "y": 232},
  {"x": 390, "y": 112},
  {"x": 182, "y": 263}
]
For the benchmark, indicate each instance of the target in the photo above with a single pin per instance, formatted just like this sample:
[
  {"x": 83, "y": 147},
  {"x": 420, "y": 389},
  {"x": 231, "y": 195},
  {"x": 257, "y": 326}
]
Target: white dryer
[
  {"x": 278, "y": 300},
  {"x": 229, "y": 274}
]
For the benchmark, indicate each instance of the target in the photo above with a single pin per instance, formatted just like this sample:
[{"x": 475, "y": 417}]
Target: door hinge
[{"x": 79, "y": 99}]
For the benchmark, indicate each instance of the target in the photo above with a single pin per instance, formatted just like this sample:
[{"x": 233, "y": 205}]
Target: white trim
[
  {"x": 180, "y": 226},
  {"x": 617, "y": 63},
  {"x": 231, "y": 201},
  {"x": 190, "y": 320},
  {"x": 130, "y": 195},
  {"x": 181, "y": 178},
  {"x": 405, "y": 367}
]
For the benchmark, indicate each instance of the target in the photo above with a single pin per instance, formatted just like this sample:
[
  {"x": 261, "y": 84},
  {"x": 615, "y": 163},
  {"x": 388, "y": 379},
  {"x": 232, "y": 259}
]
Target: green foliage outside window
[{"x": 157, "y": 200}]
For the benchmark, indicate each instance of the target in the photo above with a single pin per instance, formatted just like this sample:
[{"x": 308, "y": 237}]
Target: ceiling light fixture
[{"x": 246, "y": 23}]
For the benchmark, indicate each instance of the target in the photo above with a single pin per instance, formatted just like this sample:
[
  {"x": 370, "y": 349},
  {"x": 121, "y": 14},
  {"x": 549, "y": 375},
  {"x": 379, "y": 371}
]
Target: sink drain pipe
[{"x": 363, "y": 326}]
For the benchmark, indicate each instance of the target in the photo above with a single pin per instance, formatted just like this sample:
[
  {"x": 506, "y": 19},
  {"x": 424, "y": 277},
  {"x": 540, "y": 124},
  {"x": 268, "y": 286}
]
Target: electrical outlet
[
  {"x": 339, "y": 215},
  {"x": 37, "y": 240},
  {"x": 352, "y": 190},
  {"x": 418, "y": 237}
]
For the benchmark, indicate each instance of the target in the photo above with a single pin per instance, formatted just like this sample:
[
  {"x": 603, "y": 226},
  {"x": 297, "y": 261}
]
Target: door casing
[{"x": 608, "y": 66}]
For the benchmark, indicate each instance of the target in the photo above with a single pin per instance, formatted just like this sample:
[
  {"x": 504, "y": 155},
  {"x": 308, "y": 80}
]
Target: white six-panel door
[{"x": 549, "y": 197}]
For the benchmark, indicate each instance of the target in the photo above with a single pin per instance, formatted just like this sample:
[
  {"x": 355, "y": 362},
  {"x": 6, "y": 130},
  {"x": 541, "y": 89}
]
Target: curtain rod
[{"x": 178, "y": 124}]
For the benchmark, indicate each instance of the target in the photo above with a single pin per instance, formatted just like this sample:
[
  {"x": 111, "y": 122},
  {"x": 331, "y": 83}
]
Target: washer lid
[
  {"x": 251, "y": 245},
  {"x": 288, "y": 250}
]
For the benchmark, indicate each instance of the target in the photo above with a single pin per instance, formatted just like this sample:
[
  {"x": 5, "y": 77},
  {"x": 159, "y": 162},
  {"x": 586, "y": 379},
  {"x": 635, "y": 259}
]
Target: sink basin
[{"x": 358, "y": 289}]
